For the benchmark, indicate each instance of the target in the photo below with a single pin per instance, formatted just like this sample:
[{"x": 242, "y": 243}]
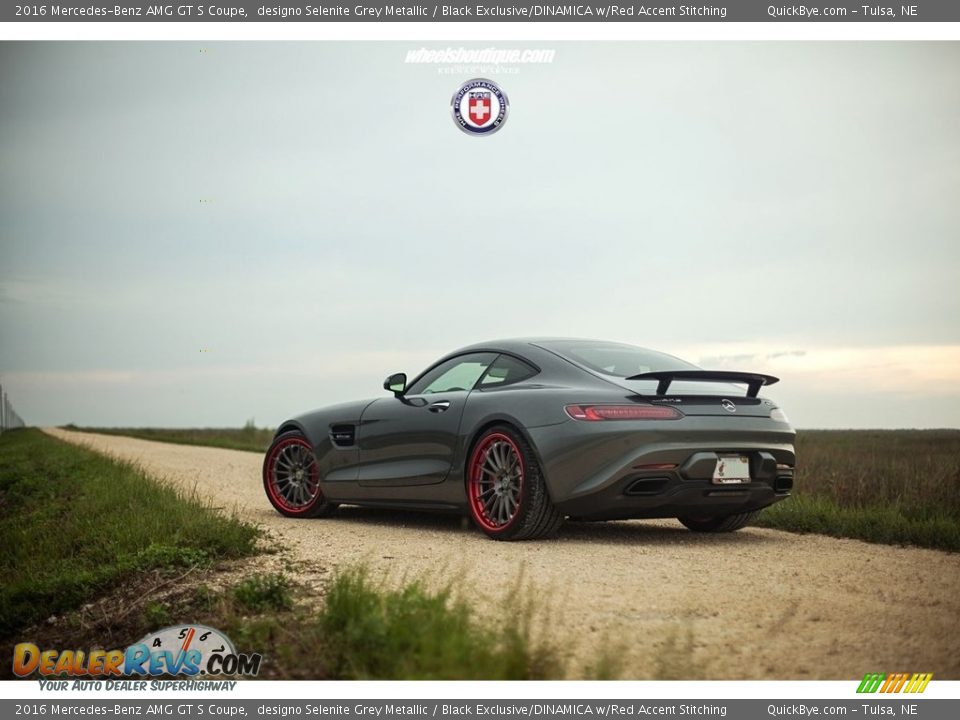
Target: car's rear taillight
[{"x": 623, "y": 412}]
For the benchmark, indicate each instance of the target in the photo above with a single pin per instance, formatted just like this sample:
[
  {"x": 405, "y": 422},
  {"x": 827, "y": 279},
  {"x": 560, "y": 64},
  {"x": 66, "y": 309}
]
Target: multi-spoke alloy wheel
[
  {"x": 291, "y": 477},
  {"x": 496, "y": 481},
  {"x": 505, "y": 490}
]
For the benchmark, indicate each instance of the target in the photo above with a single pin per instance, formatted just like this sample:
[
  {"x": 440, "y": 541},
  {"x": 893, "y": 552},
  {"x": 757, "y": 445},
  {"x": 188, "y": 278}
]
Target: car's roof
[{"x": 519, "y": 344}]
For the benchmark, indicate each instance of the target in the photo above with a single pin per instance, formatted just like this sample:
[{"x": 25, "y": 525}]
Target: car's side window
[
  {"x": 506, "y": 370},
  {"x": 459, "y": 373}
]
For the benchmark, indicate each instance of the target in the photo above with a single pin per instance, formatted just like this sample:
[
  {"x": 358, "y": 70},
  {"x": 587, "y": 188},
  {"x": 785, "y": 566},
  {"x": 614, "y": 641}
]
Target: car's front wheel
[
  {"x": 506, "y": 492},
  {"x": 291, "y": 478},
  {"x": 724, "y": 523}
]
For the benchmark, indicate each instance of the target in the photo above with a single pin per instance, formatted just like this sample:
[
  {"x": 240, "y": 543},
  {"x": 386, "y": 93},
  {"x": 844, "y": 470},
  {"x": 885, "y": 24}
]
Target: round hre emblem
[{"x": 480, "y": 107}]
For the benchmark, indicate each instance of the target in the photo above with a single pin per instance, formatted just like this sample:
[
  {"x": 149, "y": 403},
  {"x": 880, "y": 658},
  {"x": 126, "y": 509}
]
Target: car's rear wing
[{"x": 754, "y": 381}]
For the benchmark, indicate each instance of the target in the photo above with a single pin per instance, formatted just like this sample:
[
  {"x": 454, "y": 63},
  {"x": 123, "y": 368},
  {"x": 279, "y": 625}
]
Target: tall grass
[
  {"x": 912, "y": 469},
  {"x": 73, "y": 523},
  {"x": 367, "y": 630},
  {"x": 891, "y": 486},
  {"x": 412, "y": 632}
]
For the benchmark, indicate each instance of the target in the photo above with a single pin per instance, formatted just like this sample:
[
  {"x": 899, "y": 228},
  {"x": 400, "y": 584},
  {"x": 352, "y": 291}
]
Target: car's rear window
[
  {"x": 506, "y": 370},
  {"x": 616, "y": 359}
]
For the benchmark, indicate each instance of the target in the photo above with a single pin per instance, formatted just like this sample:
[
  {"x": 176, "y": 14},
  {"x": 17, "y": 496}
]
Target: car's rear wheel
[
  {"x": 291, "y": 478},
  {"x": 506, "y": 492},
  {"x": 723, "y": 523}
]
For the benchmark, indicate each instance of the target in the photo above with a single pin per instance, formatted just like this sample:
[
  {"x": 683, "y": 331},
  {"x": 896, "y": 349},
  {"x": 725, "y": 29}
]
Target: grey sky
[{"x": 718, "y": 201}]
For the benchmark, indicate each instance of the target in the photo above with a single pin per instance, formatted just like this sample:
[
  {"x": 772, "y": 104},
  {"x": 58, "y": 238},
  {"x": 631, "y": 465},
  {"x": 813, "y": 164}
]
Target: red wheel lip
[
  {"x": 269, "y": 478},
  {"x": 473, "y": 480}
]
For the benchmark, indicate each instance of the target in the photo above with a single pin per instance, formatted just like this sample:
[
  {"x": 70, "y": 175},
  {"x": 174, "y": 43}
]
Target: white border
[
  {"x": 447, "y": 32},
  {"x": 494, "y": 31},
  {"x": 674, "y": 691}
]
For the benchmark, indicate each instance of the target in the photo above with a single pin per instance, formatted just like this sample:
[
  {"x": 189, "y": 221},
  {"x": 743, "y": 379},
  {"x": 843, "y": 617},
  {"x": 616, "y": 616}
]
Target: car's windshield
[{"x": 615, "y": 359}]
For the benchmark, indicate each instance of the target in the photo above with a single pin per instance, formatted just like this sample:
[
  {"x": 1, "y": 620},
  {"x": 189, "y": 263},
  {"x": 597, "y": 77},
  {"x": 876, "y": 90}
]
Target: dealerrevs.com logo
[{"x": 189, "y": 650}]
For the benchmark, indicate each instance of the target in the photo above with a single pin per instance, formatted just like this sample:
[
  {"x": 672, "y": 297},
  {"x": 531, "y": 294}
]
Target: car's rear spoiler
[{"x": 754, "y": 381}]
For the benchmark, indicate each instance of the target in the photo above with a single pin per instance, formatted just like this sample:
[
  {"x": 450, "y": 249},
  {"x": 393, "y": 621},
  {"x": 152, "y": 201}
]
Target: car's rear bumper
[
  {"x": 607, "y": 472},
  {"x": 659, "y": 493}
]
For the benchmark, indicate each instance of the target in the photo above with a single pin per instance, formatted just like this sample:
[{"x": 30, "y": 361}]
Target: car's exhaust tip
[
  {"x": 647, "y": 486},
  {"x": 783, "y": 483}
]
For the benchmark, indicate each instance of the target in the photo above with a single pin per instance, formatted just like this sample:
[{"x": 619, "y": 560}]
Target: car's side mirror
[{"x": 396, "y": 383}]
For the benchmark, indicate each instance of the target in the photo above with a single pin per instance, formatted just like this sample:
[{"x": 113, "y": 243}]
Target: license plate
[{"x": 731, "y": 470}]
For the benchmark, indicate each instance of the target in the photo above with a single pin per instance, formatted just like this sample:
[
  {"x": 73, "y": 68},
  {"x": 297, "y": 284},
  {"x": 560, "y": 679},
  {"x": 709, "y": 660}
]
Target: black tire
[
  {"x": 291, "y": 478},
  {"x": 520, "y": 508},
  {"x": 724, "y": 523}
]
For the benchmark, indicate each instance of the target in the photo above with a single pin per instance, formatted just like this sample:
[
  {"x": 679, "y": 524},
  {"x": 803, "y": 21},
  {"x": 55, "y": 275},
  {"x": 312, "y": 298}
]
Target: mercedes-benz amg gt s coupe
[{"x": 522, "y": 434}]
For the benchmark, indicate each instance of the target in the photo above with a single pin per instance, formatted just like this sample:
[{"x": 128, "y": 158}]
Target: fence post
[{"x": 9, "y": 418}]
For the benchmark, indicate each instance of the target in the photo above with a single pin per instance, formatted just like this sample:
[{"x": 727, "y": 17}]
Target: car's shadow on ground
[
  {"x": 618, "y": 532},
  {"x": 652, "y": 532}
]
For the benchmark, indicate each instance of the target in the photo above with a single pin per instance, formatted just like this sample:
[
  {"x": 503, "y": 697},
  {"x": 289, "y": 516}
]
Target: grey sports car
[{"x": 524, "y": 433}]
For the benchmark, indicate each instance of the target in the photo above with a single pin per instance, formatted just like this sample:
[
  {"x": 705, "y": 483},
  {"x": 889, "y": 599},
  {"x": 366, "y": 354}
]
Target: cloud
[
  {"x": 787, "y": 353},
  {"x": 895, "y": 368},
  {"x": 719, "y": 360},
  {"x": 716, "y": 360}
]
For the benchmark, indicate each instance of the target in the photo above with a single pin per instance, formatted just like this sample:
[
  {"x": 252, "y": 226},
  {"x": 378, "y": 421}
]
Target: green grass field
[
  {"x": 74, "y": 523},
  {"x": 886, "y": 486},
  {"x": 94, "y": 549}
]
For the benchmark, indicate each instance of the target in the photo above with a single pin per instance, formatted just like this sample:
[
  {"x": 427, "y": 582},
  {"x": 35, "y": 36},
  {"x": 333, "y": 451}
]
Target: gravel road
[{"x": 754, "y": 604}]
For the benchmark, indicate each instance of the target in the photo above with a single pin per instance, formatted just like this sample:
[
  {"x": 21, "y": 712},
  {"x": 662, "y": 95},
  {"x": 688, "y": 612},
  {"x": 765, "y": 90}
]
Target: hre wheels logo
[{"x": 479, "y": 107}]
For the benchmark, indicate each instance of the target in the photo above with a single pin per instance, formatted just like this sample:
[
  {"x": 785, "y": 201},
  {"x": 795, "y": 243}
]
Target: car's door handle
[{"x": 440, "y": 406}]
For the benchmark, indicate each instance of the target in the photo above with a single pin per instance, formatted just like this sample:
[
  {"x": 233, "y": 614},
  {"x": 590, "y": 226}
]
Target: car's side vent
[{"x": 343, "y": 435}]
